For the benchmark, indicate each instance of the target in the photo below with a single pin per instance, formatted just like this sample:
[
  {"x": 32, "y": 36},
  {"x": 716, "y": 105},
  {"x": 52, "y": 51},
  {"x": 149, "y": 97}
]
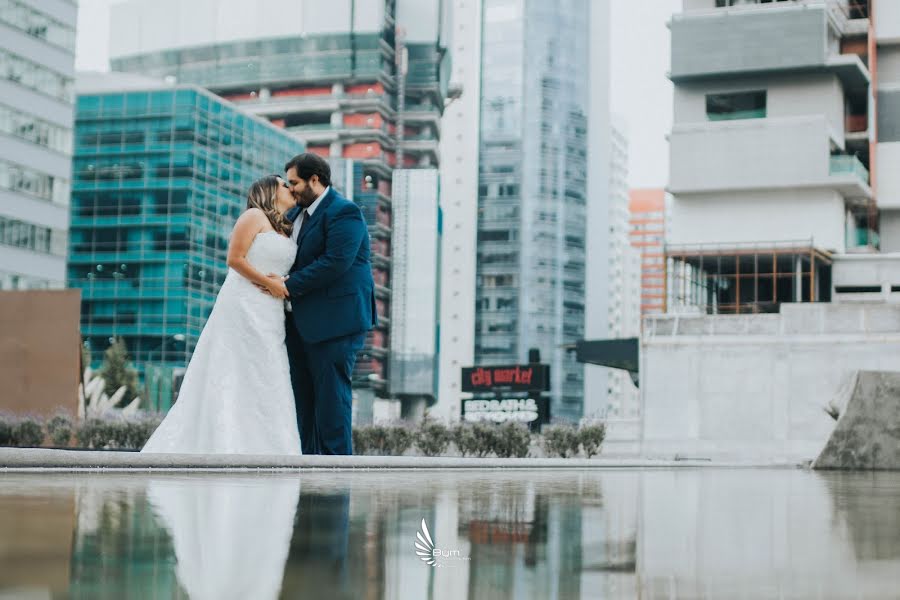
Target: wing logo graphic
[{"x": 425, "y": 545}]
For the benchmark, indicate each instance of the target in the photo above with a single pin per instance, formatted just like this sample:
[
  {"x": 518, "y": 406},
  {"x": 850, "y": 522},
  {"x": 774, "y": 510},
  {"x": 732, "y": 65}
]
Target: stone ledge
[{"x": 46, "y": 459}]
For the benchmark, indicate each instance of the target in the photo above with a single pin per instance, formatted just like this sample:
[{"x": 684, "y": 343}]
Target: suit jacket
[{"x": 330, "y": 284}]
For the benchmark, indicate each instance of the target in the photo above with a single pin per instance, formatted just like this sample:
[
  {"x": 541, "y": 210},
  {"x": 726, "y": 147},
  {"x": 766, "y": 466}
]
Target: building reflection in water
[{"x": 557, "y": 535}]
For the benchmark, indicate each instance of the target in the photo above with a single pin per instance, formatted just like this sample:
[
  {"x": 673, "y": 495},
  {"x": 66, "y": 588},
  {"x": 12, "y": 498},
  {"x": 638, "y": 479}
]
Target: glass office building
[
  {"x": 160, "y": 176},
  {"x": 37, "y": 70},
  {"x": 530, "y": 274}
]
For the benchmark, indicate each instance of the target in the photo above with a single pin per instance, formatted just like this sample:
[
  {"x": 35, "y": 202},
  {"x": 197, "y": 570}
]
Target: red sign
[{"x": 515, "y": 377}]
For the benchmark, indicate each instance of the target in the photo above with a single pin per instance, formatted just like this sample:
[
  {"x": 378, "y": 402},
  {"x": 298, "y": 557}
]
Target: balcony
[
  {"x": 758, "y": 154},
  {"x": 841, "y": 165},
  {"x": 755, "y": 39},
  {"x": 863, "y": 239}
]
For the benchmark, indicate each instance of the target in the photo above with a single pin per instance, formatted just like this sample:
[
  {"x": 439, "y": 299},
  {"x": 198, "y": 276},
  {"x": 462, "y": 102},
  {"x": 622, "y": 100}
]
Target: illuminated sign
[{"x": 515, "y": 378}]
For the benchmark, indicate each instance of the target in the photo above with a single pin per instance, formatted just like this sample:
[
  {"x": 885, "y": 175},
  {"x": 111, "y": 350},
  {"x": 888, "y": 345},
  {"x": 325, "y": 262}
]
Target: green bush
[
  {"x": 27, "y": 432},
  {"x": 591, "y": 438},
  {"x": 360, "y": 440},
  {"x": 465, "y": 438},
  {"x": 560, "y": 440},
  {"x": 96, "y": 433},
  {"x": 433, "y": 437},
  {"x": 117, "y": 433},
  {"x": 511, "y": 439},
  {"x": 383, "y": 440},
  {"x": 6, "y": 429},
  {"x": 399, "y": 437},
  {"x": 60, "y": 429}
]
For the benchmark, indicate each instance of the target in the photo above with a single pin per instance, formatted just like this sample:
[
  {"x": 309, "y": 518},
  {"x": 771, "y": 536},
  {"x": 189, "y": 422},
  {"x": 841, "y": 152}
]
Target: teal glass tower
[{"x": 159, "y": 178}]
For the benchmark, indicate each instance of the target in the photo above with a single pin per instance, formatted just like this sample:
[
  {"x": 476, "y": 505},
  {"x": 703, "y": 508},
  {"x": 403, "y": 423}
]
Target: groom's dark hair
[{"x": 309, "y": 164}]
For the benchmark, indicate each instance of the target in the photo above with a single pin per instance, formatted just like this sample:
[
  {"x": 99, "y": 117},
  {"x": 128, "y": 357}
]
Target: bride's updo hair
[{"x": 262, "y": 196}]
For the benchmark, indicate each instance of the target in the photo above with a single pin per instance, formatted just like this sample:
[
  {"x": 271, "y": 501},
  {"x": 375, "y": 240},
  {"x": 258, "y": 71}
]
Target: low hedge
[{"x": 430, "y": 437}]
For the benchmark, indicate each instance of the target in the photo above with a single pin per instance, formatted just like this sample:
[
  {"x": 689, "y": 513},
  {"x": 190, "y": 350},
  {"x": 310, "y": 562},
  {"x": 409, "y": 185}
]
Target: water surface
[{"x": 685, "y": 533}]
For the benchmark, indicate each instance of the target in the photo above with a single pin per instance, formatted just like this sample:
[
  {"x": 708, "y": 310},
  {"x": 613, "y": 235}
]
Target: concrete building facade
[
  {"x": 37, "y": 58},
  {"x": 770, "y": 151},
  {"x": 459, "y": 206}
]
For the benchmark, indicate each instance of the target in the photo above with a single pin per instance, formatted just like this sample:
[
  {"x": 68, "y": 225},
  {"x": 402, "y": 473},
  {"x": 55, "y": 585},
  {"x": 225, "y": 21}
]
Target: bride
[{"x": 236, "y": 396}]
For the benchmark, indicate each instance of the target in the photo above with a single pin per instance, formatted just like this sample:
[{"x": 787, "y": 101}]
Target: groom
[{"x": 331, "y": 304}]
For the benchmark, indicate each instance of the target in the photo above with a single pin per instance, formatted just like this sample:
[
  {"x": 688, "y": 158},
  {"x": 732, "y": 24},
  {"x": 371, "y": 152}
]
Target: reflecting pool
[{"x": 682, "y": 533}]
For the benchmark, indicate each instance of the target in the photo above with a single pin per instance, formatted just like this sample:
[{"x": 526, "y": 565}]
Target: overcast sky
[{"x": 640, "y": 92}]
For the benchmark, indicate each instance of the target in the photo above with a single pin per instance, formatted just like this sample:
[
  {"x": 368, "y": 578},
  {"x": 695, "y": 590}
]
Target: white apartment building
[{"x": 37, "y": 59}]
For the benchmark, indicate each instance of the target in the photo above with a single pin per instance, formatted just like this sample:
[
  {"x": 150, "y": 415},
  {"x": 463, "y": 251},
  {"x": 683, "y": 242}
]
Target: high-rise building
[
  {"x": 538, "y": 64},
  {"x": 355, "y": 79},
  {"x": 161, "y": 174},
  {"x": 622, "y": 290},
  {"x": 770, "y": 151},
  {"x": 415, "y": 289},
  {"x": 37, "y": 59},
  {"x": 648, "y": 235},
  {"x": 459, "y": 203}
]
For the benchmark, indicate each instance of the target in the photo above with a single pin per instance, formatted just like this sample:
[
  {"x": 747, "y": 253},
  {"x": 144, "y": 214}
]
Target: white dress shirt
[{"x": 295, "y": 233}]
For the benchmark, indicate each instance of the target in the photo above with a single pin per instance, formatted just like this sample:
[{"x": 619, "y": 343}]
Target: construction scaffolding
[{"x": 745, "y": 278}]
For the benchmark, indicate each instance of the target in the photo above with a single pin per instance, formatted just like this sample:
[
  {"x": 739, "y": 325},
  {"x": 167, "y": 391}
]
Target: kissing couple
[{"x": 271, "y": 371}]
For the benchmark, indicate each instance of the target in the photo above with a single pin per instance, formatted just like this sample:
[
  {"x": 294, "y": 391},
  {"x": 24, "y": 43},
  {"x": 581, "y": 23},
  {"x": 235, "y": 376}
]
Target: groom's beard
[{"x": 306, "y": 197}]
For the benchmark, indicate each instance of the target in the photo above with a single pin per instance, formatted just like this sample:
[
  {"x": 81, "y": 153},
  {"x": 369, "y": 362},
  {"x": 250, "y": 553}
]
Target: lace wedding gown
[{"x": 236, "y": 396}]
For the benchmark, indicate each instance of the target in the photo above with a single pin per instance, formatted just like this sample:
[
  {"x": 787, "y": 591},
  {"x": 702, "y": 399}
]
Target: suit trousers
[{"x": 321, "y": 377}]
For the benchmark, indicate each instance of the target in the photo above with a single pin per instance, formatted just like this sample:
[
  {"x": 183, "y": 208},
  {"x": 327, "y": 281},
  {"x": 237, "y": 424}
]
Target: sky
[{"x": 639, "y": 90}]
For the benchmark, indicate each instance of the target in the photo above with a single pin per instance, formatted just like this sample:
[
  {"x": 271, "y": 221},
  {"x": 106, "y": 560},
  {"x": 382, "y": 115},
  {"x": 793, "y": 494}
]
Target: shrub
[
  {"x": 96, "y": 433},
  {"x": 511, "y": 439},
  {"x": 398, "y": 438},
  {"x": 383, "y": 440},
  {"x": 27, "y": 432},
  {"x": 591, "y": 438},
  {"x": 135, "y": 432},
  {"x": 432, "y": 437},
  {"x": 6, "y": 429},
  {"x": 120, "y": 433},
  {"x": 465, "y": 438},
  {"x": 560, "y": 440},
  {"x": 60, "y": 429},
  {"x": 360, "y": 440}
]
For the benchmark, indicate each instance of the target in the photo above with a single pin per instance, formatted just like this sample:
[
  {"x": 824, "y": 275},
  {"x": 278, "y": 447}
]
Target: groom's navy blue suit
[{"x": 333, "y": 299}]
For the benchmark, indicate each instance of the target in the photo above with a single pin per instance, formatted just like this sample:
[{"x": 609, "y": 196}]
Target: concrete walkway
[{"x": 19, "y": 459}]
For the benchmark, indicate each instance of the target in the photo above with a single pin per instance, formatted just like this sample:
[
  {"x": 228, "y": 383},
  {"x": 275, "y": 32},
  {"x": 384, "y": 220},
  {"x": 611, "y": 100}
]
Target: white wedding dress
[
  {"x": 236, "y": 396},
  {"x": 231, "y": 534}
]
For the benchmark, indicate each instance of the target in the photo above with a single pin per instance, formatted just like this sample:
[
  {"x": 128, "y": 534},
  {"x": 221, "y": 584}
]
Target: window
[{"x": 740, "y": 105}]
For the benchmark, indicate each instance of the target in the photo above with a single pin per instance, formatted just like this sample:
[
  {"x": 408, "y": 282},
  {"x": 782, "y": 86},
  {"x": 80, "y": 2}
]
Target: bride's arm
[{"x": 248, "y": 225}]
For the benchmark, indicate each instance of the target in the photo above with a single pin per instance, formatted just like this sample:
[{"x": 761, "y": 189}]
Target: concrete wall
[
  {"x": 793, "y": 96},
  {"x": 772, "y": 38},
  {"x": 889, "y": 228},
  {"x": 40, "y": 343},
  {"x": 889, "y": 114},
  {"x": 889, "y": 65},
  {"x": 748, "y": 154},
  {"x": 754, "y": 386},
  {"x": 882, "y": 270},
  {"x": 887, "y": 21},
  {"x": 759, "y": 216},
  {"x": 888, "y": 177}
]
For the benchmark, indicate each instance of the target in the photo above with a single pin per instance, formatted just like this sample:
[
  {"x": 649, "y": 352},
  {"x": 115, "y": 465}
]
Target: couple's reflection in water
[{"x": 233, "y": 536}]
